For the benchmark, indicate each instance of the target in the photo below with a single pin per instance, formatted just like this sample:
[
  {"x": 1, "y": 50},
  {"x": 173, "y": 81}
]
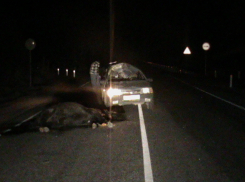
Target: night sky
[{"x": 75, "y": 34}]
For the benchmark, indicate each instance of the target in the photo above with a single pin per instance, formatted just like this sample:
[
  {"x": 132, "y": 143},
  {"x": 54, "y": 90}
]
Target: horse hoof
[
  {"x": 46, "y": 129},
  {"x": 41, "y": 129},
  {"x": 94, "y": 126}
]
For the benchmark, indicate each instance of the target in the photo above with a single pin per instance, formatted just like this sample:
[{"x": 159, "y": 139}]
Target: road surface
[{"x": 191, "y": 135}]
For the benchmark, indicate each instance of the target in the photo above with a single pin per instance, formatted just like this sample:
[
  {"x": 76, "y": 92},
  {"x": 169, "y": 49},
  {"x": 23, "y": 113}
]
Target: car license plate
[{"x": 131, "y": 97}]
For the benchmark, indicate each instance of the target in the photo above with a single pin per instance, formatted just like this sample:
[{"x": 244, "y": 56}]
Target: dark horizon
[{"x": 75, "y": 34}]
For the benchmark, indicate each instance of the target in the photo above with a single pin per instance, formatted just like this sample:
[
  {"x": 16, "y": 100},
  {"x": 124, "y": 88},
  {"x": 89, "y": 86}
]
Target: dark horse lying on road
[{"x": 69, "y": 114}]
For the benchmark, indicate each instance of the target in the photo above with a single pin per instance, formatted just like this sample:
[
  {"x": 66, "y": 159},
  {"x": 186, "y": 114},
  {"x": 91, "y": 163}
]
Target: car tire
[
  {"x": 150, "y": 105},
  {"x": 106, "y": 101}
]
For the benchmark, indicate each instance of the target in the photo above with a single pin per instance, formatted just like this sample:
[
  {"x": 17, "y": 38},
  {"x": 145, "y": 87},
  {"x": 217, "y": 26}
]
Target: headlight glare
[
  {"x": 112, "y": 92},
  {"x": 147, "y": 90}
]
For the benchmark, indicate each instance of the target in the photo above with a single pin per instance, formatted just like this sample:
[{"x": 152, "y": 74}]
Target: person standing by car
[
  {"x": 95, "y": 78},
  {"x": 94, "y": 73}
]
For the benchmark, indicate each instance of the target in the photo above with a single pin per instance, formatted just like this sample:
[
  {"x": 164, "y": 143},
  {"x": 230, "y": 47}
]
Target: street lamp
[
  {"x": 206, "y": 47},
  {"x": 30, "y": 45}
]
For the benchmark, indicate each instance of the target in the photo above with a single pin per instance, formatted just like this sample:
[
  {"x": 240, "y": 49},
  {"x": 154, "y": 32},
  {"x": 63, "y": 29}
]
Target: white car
[{"x": 125, "y": 84}]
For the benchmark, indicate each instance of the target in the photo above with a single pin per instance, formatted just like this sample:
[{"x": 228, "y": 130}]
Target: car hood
[{"x": 131, "y": 84}]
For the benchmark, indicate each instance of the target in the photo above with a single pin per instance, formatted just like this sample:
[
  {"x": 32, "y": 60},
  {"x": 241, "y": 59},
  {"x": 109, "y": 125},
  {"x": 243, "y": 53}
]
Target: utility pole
[
  {"x": 30, "y": 45},
  {"x": 30, "y": 68},
  {"x": 112, "y": 26},
  {"x": 206, "y": 47}
]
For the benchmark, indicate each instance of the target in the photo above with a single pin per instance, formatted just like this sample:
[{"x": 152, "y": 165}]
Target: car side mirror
[{"x": 149, "y": 79}]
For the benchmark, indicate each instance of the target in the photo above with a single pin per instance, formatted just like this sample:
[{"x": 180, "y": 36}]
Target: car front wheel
[
  {"x": 150, "y": 105},
  {"x": 107, "y": 101}
]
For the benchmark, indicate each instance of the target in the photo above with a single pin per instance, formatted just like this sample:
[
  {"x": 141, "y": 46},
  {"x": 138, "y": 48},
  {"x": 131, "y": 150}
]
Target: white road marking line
[
  {"x": 5, "y": 131},
  {"x": 31, "y": 117},
  {"x": 17, "y": 124},
  {"x": 146, "y": 152},
  {"x": 231, "y": 103},
  {"x": 85, "y": 84},
  {"x": 240, "y": 107}
]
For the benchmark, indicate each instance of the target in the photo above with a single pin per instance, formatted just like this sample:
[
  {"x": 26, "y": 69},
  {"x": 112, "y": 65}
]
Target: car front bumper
[{"x": 131, "y": 99}]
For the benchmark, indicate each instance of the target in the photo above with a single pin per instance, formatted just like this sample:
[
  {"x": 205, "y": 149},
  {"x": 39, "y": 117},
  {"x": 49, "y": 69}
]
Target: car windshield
[{"x": 124, "y": 71}]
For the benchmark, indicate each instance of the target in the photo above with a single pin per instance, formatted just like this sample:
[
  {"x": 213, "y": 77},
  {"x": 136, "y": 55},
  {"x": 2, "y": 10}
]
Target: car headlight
[
  {"x": 147, "y": 90},
  {"x": 112, "y": 92}
]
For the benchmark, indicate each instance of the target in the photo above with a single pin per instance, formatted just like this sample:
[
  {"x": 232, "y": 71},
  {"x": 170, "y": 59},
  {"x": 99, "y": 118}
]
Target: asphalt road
[{"x": 192, "y": 136}]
